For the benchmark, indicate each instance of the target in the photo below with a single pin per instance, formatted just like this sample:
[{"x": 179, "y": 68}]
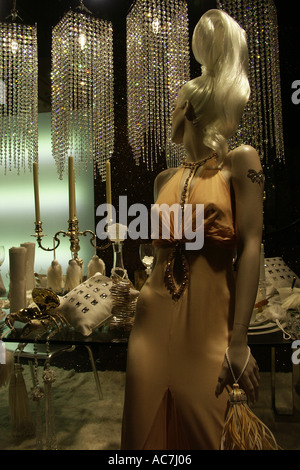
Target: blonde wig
[{"x": 219, "y": 95}]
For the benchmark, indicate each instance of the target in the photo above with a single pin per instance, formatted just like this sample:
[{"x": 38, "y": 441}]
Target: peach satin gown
[{"x": 176, "y": 348}]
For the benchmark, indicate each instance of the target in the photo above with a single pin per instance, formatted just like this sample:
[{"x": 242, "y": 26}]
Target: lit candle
[
  {"x": 36, "y": 192},
  {"x": 72, "y": 205},
  {"x": 108, "y": 190}
]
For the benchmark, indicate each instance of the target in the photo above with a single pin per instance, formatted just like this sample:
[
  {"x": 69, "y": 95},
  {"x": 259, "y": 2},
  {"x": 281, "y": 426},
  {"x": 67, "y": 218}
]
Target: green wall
[{"x": 17, "y": 213}]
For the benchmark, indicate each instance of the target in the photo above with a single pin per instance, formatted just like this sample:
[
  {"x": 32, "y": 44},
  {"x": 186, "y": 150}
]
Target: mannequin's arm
[{"x": 249, "y": 222}]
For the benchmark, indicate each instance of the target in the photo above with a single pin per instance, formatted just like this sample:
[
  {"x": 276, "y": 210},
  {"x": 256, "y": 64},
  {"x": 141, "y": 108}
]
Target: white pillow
[{"x": 89, "y": 305}]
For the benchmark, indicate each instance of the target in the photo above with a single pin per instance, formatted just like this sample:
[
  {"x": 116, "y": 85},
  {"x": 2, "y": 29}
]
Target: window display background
[{"x": 17, "y": 213}]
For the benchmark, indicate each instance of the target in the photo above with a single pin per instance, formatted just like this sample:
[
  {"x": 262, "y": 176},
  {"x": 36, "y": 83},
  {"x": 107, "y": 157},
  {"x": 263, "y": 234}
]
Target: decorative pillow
[{"x": 89, "y": 305}]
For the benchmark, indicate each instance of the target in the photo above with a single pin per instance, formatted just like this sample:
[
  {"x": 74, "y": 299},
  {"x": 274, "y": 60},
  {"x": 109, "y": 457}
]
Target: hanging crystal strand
[
  {"x": 268, "y": 75},
  {"x": 264, "y": 46},
  {"x": 49, "y": 377},
  {"x": 257, "y": 108},
  {"x": 277, "y": 103},
  {"x": 37, "y": 394},
  {"x": 179, "y": 70},
  {"x": 2, "y": 98},
  {"x": 150, "y": 68}
]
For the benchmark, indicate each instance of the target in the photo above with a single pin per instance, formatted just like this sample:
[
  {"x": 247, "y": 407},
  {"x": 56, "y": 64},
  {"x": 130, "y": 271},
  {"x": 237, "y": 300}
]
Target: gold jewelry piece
[{"x": 169, "y": 279}]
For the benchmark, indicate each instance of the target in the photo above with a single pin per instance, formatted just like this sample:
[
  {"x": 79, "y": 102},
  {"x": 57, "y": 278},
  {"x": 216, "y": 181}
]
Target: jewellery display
[
  {"x": 124, "y": 300},
  {"x": 261, "y": 124},
  {"x": 82, "y": 91},
  {"x": 157, "y": 67},
  {"x": 18, "y": 94}
]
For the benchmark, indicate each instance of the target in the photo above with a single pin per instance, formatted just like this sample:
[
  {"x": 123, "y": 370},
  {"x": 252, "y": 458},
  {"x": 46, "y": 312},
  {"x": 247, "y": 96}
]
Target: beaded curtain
[
  {"x": 18, "y": 96},
  {"x": 157, "y": 66},
  {"x": 261, "y": 124}
]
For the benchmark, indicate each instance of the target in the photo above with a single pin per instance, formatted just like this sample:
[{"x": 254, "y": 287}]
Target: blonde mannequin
[{"x": 176, "y": 369}]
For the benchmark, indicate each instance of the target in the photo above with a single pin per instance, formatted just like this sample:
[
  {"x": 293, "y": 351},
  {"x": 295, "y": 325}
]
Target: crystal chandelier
[
  {"x": 157, "y": 66},
  {"x": 262, "y": 120},
  {"x": 18, "y": 94},
  {"x": 82, "y": 91}
]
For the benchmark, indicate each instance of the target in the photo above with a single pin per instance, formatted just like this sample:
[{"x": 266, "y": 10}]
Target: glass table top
[{"x": 107, "y": 335}]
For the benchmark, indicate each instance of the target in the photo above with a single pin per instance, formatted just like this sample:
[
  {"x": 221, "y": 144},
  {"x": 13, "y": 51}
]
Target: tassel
[
  {"x": 22, "y": 423},
  {"x": 73, "y": 275},
  {"x": 96, "y": 265},
  {"x": 55, "y": 277},
  {"x": 7, "y": 368},
  {"x": 242, "y": 429}
]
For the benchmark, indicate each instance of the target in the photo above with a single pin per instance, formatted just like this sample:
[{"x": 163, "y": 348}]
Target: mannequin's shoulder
[
  {"x": 244, "y": 156},
  {"x": 242, "y": 159},
  {"x": 161, "y": 179}
]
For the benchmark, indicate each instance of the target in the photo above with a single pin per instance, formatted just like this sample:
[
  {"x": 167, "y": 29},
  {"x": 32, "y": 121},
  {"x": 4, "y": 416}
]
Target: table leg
[
  {"x": 282, "y": 393},
  {"x": 96, "y": 376}
]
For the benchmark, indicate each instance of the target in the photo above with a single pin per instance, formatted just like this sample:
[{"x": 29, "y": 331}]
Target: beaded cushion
[{"x": 89, "y": 305}]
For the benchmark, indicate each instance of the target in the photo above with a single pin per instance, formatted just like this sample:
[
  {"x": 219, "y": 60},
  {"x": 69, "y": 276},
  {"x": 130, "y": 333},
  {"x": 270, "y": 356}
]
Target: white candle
[
  {"x": 36, "y": 192},
  {"x": 108, "y": 190},
  {"x": 72, "y": 205}
]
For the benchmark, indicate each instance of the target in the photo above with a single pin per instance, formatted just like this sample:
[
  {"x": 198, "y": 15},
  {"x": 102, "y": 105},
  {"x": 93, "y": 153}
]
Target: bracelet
[{"x": 243, "y": 370}]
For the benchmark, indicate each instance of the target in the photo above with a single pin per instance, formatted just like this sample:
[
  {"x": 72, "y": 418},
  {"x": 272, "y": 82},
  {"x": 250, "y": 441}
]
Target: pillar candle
[
  {"x": 17, "y": 272},
  {"x": 29, "y": 264},
  {"x": 72, "y": 206}
]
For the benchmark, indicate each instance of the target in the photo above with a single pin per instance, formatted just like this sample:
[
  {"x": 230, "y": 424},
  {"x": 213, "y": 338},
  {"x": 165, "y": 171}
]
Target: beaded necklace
[
  {"x": 193, "y": 166},
  {"x": 178, "y": 251}
]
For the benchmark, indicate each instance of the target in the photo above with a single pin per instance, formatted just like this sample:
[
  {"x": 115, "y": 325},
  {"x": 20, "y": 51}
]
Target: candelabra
[{"x": 73, "y": 233}]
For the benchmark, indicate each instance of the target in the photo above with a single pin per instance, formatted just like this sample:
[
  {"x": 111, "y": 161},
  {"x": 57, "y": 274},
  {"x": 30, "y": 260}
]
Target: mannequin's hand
[{"x": 249, "y": 381}]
